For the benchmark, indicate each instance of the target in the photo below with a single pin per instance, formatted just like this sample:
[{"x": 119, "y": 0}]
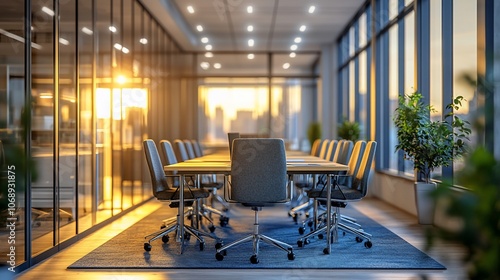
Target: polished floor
[{"x": 401, "y": 223}]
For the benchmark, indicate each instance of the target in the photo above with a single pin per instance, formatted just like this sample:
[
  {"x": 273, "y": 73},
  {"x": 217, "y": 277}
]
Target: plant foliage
[
  {"x": 429, "y": 144},
  {"x": 349, "y": 130},
  {"x": 313, "y": 132}
]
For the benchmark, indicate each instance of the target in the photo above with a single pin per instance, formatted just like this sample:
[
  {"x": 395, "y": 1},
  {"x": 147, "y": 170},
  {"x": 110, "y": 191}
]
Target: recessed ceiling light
[
  {"x": 286, "y": 65},
  {"x": 292, "y": 54},
  {"x": 209, "y": 54},
  {"x": 190, "y": 9},
  {"x": 251, "y": 42},
  {"x": 204, "y": 65},
  {"x": 302, "y": 28},
  {"x": 199, "y": 28},
  {"x": 63, "y": 41},
  {"x": 311, "y": 9},
  {"x": 208, "y": 47},
  {"x": 112, "y": 29},
  {"x": 298, "y": 40},
  {"x": 125, "y": 50},
  {"x": 143, "y": 41},
  {"x": 249, "y": 9},
  {"x": 204, "y": 40},
  {"x": 293, "y": 47},
  {"x": 250, "y": 28},
  {"x": 87, "y": 31},
  {"x": 250, "y": 56},
  {"x": 118, "y": 46},
  {"x": 217, "y": 65},
  {"x": 48, "y": 11}
]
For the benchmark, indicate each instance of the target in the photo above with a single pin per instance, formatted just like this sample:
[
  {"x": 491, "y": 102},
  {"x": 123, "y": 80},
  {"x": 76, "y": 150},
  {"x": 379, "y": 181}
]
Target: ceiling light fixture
[
  {"x": 311, "y": 9},
  {"x": 19, "y": 38},
  {"x": 293, "y": 47},
  {"x": 63, "y": 41},
  {"x": 118, "y": 46},
  {"x": 251, "y": 43},
  {"x": 199, "y": 28},
  {"x": 48, "y": 11},
  {"x": 286, "y": 65},
  {"x": 209, "y": 54},
  {"x": 250, "y": 28},
  {"x": 292, "y": 54},
  {"x": 112, "y": 29},
  {"x": 87, "y": 31},
  {"x": 250, "y": 56},
  {"x": 217, "y": 65},
  {"x": 297, "y": 40},
  {"x": 208, "y": 47},
  {"x": 204, "y": 65},
  {"x": 125, "y": 50},
  {"x": 302, "y": 28},
  {"x": 249, "y": 9},
  {"x": 190, "y": 9},
  {"x": 204, "y": 40},
  {"x": 143, "y": 41}
]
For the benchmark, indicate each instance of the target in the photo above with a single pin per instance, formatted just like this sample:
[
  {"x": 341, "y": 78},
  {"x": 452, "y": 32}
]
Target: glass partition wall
[{"x": 79, "y": 91}]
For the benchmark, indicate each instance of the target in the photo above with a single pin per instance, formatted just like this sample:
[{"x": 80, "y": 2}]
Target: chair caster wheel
[
  {"x": 302, "y": 230},
  {"x": 223, "y": 221},
  {"x": 147, "y": 247},
  {"x": 202, "y": 246},
  {"x": 300, "y": 243},
  {"x": 218, "y": 245},
  {"x": 291, "y": 256},
  {"x": 219, "y": 256},
  {"x": 165, "y": 238},
  {"x": 320, "y": 236},
  {"x": 295, "y": 217},
  {"x": 187, "y": 236},
  {"x": 326, "y": 251},
  {"x": 254, "y": 259},
  {"x": 211, "y": 228},
  {"x": 306, "y": 241},
  {"x": 359, "y": 239},
  {"x": 310, "y": 224},
  {"x": 225, "y": 209},
  {"x": 368, "y": 244}
]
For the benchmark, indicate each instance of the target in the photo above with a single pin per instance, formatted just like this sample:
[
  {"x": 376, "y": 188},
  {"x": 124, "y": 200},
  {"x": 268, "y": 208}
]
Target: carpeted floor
[{"x": 125, "y": 251}]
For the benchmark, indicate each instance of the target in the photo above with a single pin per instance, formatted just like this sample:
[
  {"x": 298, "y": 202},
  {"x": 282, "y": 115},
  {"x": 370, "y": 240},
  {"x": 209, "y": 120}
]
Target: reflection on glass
[{"x": 363, "y": 103}]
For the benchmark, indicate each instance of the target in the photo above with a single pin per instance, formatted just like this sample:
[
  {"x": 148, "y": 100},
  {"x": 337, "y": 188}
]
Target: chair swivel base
[
  {"x": 188, "y": 231},
  {"x": 256, "y": 237}
]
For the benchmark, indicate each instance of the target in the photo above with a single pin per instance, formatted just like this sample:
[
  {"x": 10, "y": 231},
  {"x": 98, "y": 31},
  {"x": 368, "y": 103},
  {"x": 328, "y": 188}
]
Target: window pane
[{"x": 393, "y": 93}]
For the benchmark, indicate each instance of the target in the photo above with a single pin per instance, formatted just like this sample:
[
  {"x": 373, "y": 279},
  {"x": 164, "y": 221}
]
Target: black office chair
[
  {"x": 164, "y": 192},
  {"x": 258, "y": 179},
  {"x": 354, "y": 190}
]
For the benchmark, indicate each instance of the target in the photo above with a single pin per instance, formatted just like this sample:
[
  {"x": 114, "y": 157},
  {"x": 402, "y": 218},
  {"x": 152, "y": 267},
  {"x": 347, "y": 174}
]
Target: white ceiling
[{"x": 276, "y": 23}]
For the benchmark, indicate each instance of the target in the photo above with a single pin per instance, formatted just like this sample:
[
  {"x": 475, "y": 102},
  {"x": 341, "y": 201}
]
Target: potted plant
[
  {"x": 349, "y": 130},
  {"x": 428, "y": 144},
  {"x": 313, "y": 132}
]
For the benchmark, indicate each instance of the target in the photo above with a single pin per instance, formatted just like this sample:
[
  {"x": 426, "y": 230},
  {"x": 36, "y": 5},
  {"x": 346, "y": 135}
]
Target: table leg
[
  {"x": 327, "y": 250},
  {"x": 180, "y": 213}
]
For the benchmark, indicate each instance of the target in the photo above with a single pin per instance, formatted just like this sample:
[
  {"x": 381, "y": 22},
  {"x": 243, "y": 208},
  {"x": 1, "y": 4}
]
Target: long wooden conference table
[{"x": 220, "y": 163}]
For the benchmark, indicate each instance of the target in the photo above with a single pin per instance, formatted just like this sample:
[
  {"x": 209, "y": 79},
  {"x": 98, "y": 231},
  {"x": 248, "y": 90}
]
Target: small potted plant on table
[{"x": 428, "y": 144}]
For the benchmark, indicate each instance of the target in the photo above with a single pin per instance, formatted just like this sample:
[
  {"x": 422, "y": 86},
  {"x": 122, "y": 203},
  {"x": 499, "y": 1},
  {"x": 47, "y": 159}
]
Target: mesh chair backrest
[
  {"x": 158, "y": 179},
  {"x": 230, "y": 137},
  {"x": 325, "y": 144},
  {"x": 315, "y": 147},
  {"x": 321, "y": 145},
  {"x": 360, "y": 181},
  {"x": 338, "y": 150},
  {"x": 345, "y": 153},
  {"x": 258, "y": 170},
  {"x": 357, "y": 154},
  {"x": 189, "y": 149},
  {"x": 180, "y": 150},
  {"x": 168, "y": 151},
  {"x": 198, "y": 151},
  {"x": 331, "y": 150}
]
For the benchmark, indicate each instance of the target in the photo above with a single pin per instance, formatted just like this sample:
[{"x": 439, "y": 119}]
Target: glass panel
[
  {"x": 234, "y": 105},
  {"x": 12, "y": 132},
  {"x": 67, "y": 121},
  {"x": 362, "y": 30},
  {"x": 362, "y": 94},
  {"x": 393, "y": 9},
  {"x": 409, "y": 64},
  {"x": 86, "y": 210},
  {"x": 352, "y": 93},
  {"x": 106, "y": 54},
  {"x": 292, "y": 64},
  {"x": 393, "y": 93},
  {"x": 465, "y": 62}
]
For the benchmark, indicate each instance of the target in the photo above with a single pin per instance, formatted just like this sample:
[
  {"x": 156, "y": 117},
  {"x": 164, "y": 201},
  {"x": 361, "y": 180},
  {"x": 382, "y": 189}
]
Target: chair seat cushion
[
  {"x": 173, "y": 194},
  {"x": 212, "y": 185},
  {"x": 344, "y": 193}
]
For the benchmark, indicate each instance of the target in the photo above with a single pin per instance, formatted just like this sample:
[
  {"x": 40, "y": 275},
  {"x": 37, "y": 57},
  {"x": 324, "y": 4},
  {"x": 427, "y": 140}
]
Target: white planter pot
[{"x": 425, "y": 204}]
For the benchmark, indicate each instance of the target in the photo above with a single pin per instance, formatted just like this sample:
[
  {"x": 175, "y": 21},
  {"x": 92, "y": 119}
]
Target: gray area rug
[{"x": 125, "y": 251}]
